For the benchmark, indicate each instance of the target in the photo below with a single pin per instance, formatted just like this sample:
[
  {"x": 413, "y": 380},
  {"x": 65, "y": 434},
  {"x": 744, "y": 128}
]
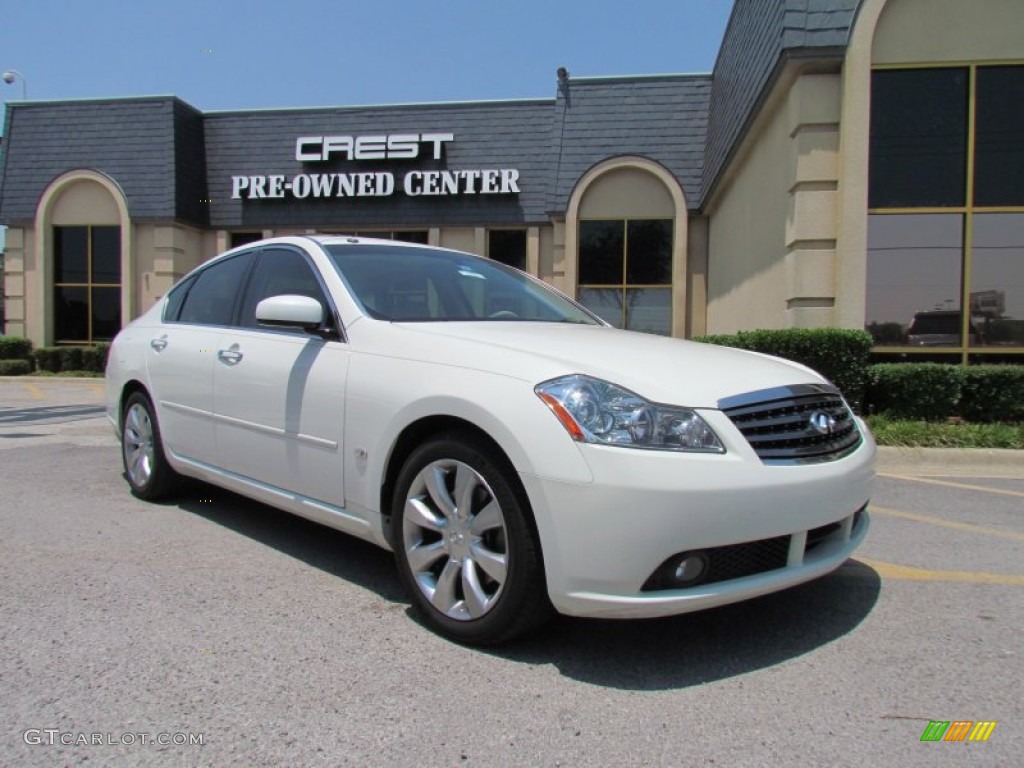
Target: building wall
[
  {"x": 914, "y": 31},
  {"x": 773, "y": 223}
]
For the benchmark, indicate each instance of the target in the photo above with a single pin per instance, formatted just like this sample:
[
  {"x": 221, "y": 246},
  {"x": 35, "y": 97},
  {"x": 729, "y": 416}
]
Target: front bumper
[{"x": 603, "y": 540}]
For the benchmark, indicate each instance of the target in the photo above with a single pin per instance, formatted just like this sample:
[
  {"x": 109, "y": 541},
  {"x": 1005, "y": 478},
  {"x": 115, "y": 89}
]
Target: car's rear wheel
[
  {"x": 145, "y": 466},
  {"x": 465, "y": 544}
]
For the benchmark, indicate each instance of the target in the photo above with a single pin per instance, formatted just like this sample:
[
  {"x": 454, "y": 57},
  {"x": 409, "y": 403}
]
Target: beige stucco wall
[
  {"x": 915, "y": 31},
  {"x": 84, "y": 202},
  {"x": 773, "y": 222},
  {"x": 18, "y": 263},
  {"x": 626, "y": 193},
  {"x": 163, "y": 254},
  {"x": 463, "y": 239}
]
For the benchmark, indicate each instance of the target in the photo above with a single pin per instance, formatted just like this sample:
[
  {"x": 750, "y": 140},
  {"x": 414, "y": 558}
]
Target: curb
[{"x": 982, "y": 462}]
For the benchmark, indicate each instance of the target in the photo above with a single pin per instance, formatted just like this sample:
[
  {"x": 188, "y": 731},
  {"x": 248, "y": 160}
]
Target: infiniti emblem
[{"x": 822, "y": 423}]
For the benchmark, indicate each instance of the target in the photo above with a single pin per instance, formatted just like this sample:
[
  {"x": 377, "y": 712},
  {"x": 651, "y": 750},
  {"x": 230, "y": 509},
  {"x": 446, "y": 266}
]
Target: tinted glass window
[
  {"x": 999, "y": 137},
  {"x": 71, "y": 254},
  {"x": 602, "y": 248},
  {"x": 212, "y": 298},
  {"x": 997, "y": 279},
  {"x": 913, "y": 286},
  {"x": 244, "y": 238},
  {"x": 106, "y": 254},
  {"x": 71, "y": 313},
  {"x": 106, "y": 313},
  {"x": 279, "y": 271},
  {"x": 176, "y": 298},
  {"x": 420, "y": 236},
  {"x": 918, "y": 138},
  {"x": 649, "y": 252},
  {"x": 649, "y": 310},
  {"x": 507, "y": 246}
]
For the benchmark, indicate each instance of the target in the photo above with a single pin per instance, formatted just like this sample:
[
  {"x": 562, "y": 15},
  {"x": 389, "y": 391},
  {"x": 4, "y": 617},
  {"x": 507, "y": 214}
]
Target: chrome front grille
[{"x": 799, "y": 424}]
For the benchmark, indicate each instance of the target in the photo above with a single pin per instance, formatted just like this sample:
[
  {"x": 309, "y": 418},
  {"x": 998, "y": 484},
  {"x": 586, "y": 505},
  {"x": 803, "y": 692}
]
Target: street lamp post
[{"x": 11, "y": 75}]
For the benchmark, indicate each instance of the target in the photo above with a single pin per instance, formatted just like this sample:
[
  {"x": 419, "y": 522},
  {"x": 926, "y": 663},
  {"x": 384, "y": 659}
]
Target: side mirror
[{"x": 290, "y": 311}]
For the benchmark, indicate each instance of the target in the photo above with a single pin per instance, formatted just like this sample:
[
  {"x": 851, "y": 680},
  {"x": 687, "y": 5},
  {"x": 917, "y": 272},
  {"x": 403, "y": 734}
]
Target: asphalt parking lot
[{"x": 274, "y": 641}]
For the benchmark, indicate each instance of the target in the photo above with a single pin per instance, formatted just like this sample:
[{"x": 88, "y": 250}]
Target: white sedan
[{"x": 516, "y": 453}]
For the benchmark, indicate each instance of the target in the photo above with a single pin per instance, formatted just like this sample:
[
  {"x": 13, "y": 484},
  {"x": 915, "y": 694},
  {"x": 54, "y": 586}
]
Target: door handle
[
  {"x": 159, "y": 344},
  {"x": 231, "y": 355}
]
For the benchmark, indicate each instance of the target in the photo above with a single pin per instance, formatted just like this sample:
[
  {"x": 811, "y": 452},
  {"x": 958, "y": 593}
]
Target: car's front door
[{"x": 279, "y": 395}]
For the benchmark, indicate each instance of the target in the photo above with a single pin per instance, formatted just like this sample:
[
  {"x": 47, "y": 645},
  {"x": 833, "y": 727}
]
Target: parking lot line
[
  {"x": 34, "y": 390},
  {"x": 954, "y": 524},
  {"x": 950, "y": 484},
  {"x": 909, "y": 573}
]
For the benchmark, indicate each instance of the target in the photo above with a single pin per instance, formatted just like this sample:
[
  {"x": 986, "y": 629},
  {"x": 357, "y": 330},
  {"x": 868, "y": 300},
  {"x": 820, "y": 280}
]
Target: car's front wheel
[
  {"x": 145, "y": 466},
  {"x": 465, "y": 544}
]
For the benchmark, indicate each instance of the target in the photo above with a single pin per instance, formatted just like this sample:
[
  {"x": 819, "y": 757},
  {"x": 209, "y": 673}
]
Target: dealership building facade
[{"x": 850, "y": 163}]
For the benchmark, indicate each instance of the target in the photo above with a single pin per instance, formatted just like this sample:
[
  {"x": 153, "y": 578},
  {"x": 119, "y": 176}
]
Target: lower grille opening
[
  {"x": 733, "y": 561},
  {"x": 817, "y": 535}
]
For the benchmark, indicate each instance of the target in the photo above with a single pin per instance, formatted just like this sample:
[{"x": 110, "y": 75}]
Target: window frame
[
  {"x": 624, "y": 287},
  {"x": 89, "y": 284},
  {"x": 190, "y": 282},
  {"x": 332, "y": 319},
  {"x": 968, "y": 211}
]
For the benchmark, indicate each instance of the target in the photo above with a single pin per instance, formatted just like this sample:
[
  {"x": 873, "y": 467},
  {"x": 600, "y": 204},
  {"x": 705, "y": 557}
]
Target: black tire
[
  {"x": 142, "y": 453},
  {"x": 458, "y": 563}
]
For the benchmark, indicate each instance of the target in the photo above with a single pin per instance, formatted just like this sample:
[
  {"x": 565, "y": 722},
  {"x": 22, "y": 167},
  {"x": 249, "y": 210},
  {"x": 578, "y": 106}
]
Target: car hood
[{"x": 658, "y": 368}]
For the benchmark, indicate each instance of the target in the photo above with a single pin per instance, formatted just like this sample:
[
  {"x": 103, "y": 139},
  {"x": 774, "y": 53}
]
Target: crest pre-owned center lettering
[{"x": 397, "y": 146}]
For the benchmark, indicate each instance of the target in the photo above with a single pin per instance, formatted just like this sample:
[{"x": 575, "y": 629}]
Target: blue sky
[{"x": 223, "y": 54}]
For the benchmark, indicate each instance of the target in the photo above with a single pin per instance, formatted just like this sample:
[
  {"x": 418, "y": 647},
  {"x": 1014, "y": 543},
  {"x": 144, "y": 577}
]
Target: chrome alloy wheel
[
  {"x": 137, "y": 444},
  {"x": 455, "y": 541}
]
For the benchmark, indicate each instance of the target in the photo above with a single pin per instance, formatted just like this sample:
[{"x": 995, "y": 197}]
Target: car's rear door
[
  {"x": 279, "y": 395},
  {"x": 180, "y": 356}
]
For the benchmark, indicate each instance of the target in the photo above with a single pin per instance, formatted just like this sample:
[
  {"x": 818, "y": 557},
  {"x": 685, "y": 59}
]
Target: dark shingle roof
[
  {"x": 661, "y": 118},
  {"x": 131, "y": 140},
  {"x": 760, "y": 34}
]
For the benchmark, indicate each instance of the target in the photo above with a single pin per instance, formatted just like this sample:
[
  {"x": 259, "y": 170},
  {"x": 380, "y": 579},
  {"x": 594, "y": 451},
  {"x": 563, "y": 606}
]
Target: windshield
[{"x": 425, "y": 285}]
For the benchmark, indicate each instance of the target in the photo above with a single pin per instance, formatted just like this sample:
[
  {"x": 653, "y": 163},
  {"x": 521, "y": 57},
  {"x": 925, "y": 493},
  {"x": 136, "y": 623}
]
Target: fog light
[{"x": 691, "y": 568}]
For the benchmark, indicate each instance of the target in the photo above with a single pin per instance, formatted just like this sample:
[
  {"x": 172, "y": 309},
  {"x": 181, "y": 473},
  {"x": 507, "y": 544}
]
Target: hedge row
[
  {"x": 17, "y": 357},
  {"x": 15, "y": 367},
  {"x": 15, "y": 348},
  {"x": 838, "y": 354},
  {"x": 57, "y": 359},
  {"x": 935, "y": 392}
]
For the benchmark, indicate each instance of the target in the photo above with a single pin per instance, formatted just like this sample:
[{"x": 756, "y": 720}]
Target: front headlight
[{"x": 594, "y": 411}]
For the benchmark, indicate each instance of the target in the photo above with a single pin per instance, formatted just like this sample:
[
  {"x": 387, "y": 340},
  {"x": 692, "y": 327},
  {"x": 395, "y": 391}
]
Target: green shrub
[
  {"x": 47, "y": 359},
  {"x": 993, "y": 393},
  {"x": 841, "y": 355},
  {"x": 914, "y": 391},
  {"x": 70, "y": 358},
  {"x": 95, "y": 358},
  {"x": 15, "y": 367},
  {"x": 15, "y": 348}
]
